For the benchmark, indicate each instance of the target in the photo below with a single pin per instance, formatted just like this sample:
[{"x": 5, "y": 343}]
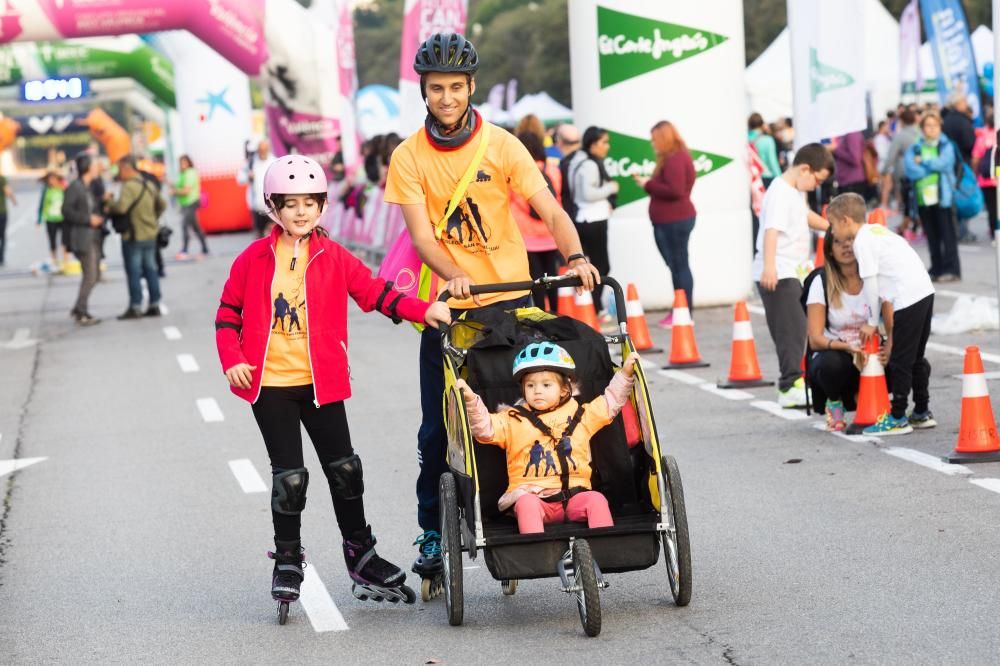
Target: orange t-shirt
[
  {"x": 287, "y": 362},
  {"x": 481, "y": 236}
]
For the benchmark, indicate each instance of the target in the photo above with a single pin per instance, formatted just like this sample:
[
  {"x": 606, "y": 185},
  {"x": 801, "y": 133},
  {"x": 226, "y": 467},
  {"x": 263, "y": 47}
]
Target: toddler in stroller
[{"x": 548, "y": 425}]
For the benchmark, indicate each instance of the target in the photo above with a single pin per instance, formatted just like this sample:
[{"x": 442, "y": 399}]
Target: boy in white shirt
[
  {"x": 782, "y": 261},
  {"x": 892, "y": 271}
]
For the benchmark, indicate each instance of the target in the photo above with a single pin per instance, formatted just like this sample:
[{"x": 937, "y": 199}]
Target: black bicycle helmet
[{"x": 446, "y": 52}]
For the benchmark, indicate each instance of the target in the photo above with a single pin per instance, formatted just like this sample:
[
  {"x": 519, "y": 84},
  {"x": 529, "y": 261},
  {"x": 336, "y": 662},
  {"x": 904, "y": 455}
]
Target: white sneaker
[{"x": 795, "y": 396}]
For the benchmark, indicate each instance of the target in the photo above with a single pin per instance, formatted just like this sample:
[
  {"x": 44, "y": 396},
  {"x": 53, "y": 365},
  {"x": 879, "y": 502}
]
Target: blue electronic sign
[{"x": 50, "y": 90}]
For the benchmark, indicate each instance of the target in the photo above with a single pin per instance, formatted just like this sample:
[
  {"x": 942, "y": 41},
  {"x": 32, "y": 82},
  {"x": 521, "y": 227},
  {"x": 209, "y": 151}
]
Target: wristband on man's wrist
[{"x": 573, "y": 257}]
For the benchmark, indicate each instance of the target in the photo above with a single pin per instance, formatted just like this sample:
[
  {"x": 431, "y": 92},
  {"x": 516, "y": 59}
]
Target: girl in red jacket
[{"x": 281, "y": 330}]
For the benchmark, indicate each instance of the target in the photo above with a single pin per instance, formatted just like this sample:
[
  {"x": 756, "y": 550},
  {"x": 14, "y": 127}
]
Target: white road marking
[
  {"x": 187, "y": 363},
  {"x": 948, "y": 293},
  {"x": 960, "y": 351},
  {"x": 20, "y": 340},
  {"x": 172, "y": 333},
  {"x": 247, "y": 475},
  {"x": 647, "y": 365},
  {"x": 8, "y": 466},
  {"x": 774, "y": 408},
  {"x": 859, "y": 439},
  {"x": 318, "y": 605},
  {"x": 756, "y": 309},
  {"x": 728, "y": 394},
  {"x": 210, "y": 411},
  {"x": 681, "y": 376},
  {"x": 164, "y": 310},
  {"x": 474, "y": 566},
  {"x": 927, "y": 460},
  {"x": 989, "y": 484}
]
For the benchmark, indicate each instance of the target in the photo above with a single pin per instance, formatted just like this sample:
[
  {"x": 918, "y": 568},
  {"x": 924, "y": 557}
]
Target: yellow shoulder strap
[{"x": 463, "y": 184}]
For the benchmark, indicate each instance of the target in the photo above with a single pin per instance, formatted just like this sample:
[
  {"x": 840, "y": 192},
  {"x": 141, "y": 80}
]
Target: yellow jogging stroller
[{"x": 642, "y": 484}]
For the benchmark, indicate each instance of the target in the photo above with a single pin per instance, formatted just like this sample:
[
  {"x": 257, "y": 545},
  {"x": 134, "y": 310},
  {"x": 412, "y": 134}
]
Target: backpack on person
[
  {"x": 566, "y": 191},
  {"x": 122, "y": 222},
  {"x": 968, "y": 197}
]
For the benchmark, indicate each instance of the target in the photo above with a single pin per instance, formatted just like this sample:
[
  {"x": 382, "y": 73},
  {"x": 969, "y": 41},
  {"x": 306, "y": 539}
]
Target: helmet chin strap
[{"x": 295, "y": 252}]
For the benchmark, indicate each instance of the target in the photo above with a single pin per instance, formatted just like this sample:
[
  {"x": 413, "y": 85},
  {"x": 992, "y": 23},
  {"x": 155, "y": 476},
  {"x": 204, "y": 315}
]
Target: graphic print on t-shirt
[
  {"x": 290, "y": 312},
  {"x": 465, "y": 225}
]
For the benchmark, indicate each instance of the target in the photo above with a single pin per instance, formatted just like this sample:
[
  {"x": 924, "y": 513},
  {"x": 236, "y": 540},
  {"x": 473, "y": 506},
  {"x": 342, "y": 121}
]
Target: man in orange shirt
[{"x": 480, "y": 243}]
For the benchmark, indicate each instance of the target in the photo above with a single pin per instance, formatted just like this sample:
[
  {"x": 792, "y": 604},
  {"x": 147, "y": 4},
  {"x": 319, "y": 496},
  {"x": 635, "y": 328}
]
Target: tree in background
[{"x": 518, "y": 39}]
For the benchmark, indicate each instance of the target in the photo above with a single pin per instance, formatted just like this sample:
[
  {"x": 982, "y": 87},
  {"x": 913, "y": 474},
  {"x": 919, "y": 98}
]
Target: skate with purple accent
[
  {"x": 374, "y": 578},
  {"x": 287, "y": 576},
  {"x": 428, "y": 565}
]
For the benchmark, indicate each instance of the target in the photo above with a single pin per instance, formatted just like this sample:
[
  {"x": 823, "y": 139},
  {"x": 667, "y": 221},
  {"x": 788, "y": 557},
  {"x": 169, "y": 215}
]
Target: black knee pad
[
  {"x": 288, "y": 492},
  {"x": 345, "y": 477}
]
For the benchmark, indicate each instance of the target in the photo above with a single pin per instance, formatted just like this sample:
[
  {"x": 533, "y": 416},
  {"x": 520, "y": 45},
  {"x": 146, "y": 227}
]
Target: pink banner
[
  {"x": 305, "y": 133},
  {"x": 347, "y": 68},
  {"x": 234, "y": 28},
  {"x": 421, "y": 19}
]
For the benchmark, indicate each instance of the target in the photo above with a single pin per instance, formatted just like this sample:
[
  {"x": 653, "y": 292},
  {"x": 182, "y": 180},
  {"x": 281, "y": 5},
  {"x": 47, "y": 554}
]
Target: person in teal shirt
[
  {"x": 50, "y": 214},
  {"x": 187, "y": 191},
  {"x": 764, "y": 143}
]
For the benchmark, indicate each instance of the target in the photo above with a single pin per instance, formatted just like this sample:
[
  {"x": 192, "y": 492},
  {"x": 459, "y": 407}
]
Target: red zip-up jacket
[{"x": 243, "y": 321}]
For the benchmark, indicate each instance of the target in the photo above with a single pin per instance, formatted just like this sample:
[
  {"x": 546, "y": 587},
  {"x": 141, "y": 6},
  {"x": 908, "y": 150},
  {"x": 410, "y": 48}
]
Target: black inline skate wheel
[
  {"x": 411, "y": 596},
  {"x": 588, "y": 596},
  {"x": 677, "y": 547},
  {"x": 451, "y": 549},
  {"x": 509, "y": 587},
  {"x": 282, "y": 613}
]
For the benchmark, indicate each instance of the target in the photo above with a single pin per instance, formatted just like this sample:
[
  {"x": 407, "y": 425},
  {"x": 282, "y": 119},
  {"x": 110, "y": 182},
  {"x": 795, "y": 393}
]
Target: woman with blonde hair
[
  {"x": 670, "y": 208},
  {"x": 836, "y": 310}
]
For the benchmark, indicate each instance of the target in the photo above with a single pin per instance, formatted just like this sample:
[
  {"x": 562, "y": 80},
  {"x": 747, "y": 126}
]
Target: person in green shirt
[
  {"x": 187, "y": 190},
  {"x": 5, "y": 193},
  {"x": 50, "y": 214}
]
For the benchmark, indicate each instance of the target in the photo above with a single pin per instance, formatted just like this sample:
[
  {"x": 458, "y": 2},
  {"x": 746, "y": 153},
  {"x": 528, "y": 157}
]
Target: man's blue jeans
[{"x": 140, "y": 262}]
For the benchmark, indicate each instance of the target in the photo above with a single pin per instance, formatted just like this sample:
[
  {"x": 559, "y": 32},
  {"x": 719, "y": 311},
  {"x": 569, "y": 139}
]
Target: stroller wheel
[
  {"x": 588, "y": 596},
  {"x": 451, "y": 549},
  {"x": 677, "y": 545},
  {"x": 509, "y": 587}
]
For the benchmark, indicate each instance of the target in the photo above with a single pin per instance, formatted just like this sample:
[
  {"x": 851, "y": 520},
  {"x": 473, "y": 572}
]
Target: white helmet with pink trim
[{"x": 293, "y": 174}]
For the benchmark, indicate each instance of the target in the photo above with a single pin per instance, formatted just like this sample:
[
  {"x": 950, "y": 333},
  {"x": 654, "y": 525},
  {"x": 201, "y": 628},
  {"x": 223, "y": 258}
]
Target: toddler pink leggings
[{"x": 532, "y": 512}]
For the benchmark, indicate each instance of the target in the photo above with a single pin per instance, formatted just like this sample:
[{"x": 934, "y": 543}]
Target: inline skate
[
  {"x": 288, "y": 574},
  {"x": 373, "y": 577},
  {"x": 428, "y": 565}
]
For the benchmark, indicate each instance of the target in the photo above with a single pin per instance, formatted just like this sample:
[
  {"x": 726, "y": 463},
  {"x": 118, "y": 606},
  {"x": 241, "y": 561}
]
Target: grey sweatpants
[
  {"x": 786, "y": 322},
  {"x": 90, "y": 264}
]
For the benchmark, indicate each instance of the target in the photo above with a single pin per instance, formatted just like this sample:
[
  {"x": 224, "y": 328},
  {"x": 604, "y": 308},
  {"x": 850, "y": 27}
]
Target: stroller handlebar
[{"x": 548, "y": 281}]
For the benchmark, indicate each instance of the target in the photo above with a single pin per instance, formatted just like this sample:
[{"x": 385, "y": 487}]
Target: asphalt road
[{"x": 134, "y": 540}]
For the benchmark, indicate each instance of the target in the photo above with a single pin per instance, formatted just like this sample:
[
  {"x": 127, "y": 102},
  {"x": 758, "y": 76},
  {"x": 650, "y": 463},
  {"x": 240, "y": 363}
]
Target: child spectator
[{"x": 783, "y": 261}]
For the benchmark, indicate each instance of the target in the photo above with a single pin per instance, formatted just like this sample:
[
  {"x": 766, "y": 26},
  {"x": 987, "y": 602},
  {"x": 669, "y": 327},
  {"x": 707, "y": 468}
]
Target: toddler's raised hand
[{"x": 629, "y": 366}]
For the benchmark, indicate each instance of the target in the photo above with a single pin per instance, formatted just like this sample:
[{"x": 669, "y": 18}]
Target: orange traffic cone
[
  {"x": 566, "y": 303},
  {"x": 637, "y": 326},
  {"x": 873, "y": 395},
  {"x": 683, "y": 348},
  {"x": 977, "y": 430},
  {"x": 584, "y": 304},
  {"x": 877, "y": 216},
  {"x": 819, "y": 260},
  {"x": 744, "y": 370}
]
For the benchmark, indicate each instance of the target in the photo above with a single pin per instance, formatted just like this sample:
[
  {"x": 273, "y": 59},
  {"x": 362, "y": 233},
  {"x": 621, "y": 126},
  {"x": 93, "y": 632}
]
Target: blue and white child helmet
[{"x": 539, "y": 356}]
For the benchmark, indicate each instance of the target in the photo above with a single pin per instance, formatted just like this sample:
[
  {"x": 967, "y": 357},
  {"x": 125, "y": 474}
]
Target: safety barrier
[{"x": 369, "y": 235}]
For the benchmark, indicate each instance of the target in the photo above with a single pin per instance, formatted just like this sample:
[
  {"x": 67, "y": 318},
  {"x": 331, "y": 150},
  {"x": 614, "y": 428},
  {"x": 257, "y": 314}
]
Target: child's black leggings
[
  {"x": 278, "y": 411},
  {"x": 907, "y": 367}
]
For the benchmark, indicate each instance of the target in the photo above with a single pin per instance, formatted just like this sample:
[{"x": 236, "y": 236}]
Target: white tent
[
  {"x": 769, "y": 78},
  {"x": 542, "y": 105}
]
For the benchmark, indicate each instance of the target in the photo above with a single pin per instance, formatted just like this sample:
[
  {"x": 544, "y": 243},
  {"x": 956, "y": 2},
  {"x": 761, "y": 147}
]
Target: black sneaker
[
  {"x": 153, "y": 311},
  {"x": 922, "y": 420},
  {"x": 131, "y": 313}
]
